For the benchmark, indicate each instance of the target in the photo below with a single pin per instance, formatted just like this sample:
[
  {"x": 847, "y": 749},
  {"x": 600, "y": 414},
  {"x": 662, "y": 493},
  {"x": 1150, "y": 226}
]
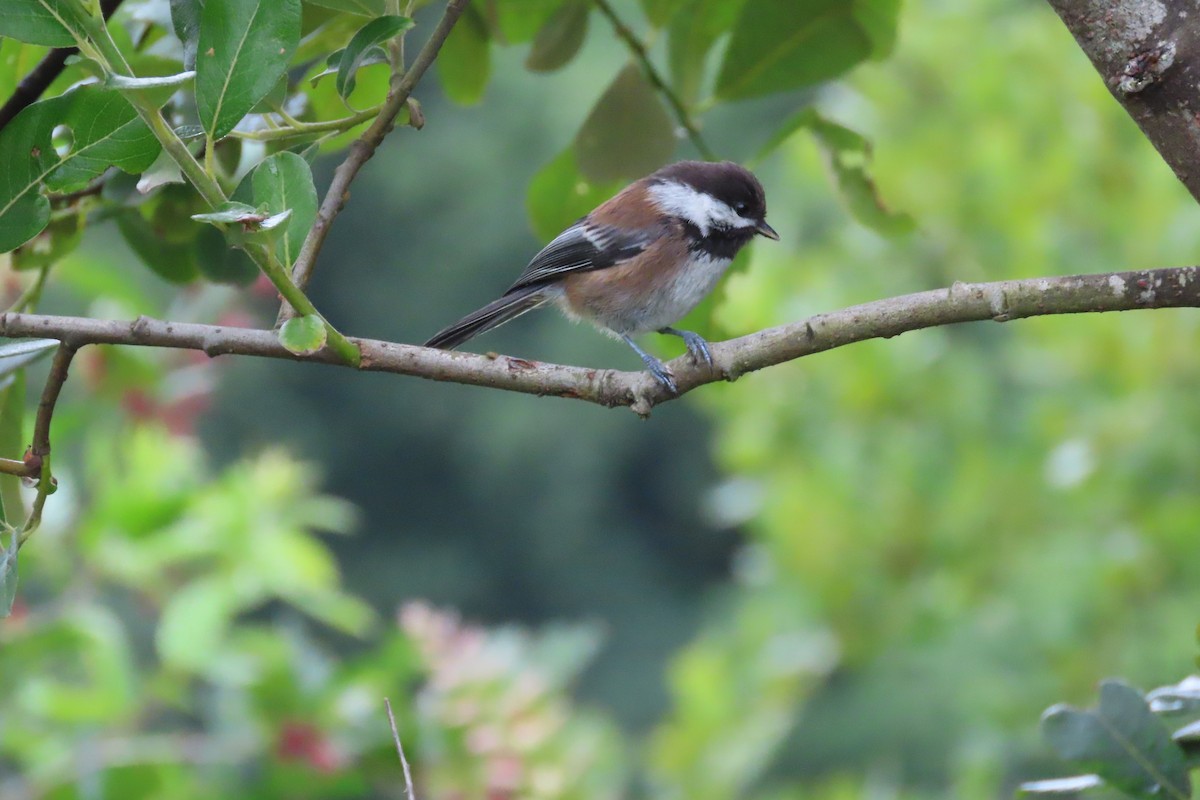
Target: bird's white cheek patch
[{"x": 702, "y": 210}]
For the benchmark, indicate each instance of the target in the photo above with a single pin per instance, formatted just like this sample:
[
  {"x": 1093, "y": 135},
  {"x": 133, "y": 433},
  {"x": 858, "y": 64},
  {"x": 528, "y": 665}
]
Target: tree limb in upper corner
[
  {"x": 1176, "y": 287},
  {"x": 1148, "y": 53}
]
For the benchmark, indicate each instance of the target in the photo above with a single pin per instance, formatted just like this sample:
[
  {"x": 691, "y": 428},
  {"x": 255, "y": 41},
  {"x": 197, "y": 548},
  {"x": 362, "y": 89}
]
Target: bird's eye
[{"x": 740, "y": 207}]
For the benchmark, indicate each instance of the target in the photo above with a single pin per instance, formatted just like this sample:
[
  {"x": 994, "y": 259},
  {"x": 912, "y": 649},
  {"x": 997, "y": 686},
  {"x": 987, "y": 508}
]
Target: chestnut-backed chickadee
[{"x": 641, "y": 261}]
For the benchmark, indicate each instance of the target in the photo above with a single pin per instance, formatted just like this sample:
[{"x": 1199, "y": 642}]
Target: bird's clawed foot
[
  {"x": 660, "y": 372},
  {"x": 695, "y": 344},
  {"x": 655, "y": 367}
]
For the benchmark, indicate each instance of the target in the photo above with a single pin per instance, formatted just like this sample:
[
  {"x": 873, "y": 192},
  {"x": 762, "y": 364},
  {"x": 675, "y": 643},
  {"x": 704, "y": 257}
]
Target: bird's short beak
[{"x": 766, "y": 230}]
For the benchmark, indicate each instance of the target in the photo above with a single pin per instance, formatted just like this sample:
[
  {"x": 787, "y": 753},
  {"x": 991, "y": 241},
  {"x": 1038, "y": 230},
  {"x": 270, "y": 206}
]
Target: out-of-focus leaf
[
  {"x": 1121, "y": 741},
  {"x": 171, "y": 260},
  {"x": 303, "y": 335},
  {"x": 48, "y": 22},
  {"x": 519, "y": 20},
  {"x": 194, "y": 623},
  {"x": 1188, "y": 733},
  {"x": 558, "y": 195},
  {"x": 878, "y": 18},
  {"x": 17, "y": 59},
  {"x": 221, "y": 263},
  {"x": 690, "y": 38},
  {"x": 366, "y": 8},
  {"x": 283, "y": 182},
  {"x": 94, "y": 128},
  {"x": 560, "y": 38},
  {"x": 242, "y": 51},
  {"x": 185, "y": 19},
  {"x": 8, "y": 575},
  {"x": 342, "y": 612},
  {"x": 465, "y": 61},
  {"x": 375, "y": 32},
  {"x": 848, "y": 156},
  {"x": 59, "y": 238},
  {"x": 778, "y": 45},
  {"x": 164, "y": 171},
  {"x": 1181, "y": 698},
  {"x": 627, "y": 134},
  {"x": 12, "y": 442},
  {"x": 19, "y": 354},
  {"x": 659, "y": 12},
  {"x": 1071, "y": 786}
]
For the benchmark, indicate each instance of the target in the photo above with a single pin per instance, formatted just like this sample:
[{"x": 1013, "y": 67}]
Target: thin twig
[
  {"x": 364, "y": 148},
  {"x": 33, "y": 85},
  {"x": 626, "y": 34},
  {"x": 408, "y": 782},
  {"x": 1175, "y": 287},
  {"x": 39, "y": 451},
  {"x": 54, "y": 383}
]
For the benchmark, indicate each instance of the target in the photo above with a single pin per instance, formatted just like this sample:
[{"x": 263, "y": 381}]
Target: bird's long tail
[{"x": 494, "y": 314}]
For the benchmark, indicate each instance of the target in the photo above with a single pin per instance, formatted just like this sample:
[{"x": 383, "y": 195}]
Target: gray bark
[{"x": 1148, "y": 54}]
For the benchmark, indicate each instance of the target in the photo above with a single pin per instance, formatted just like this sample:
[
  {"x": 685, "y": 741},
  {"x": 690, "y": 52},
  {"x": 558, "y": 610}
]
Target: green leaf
[
  {"x": 366, "y": 8},
  {"x": 283, "y": 182},
  {"x": 231, "y": 211},
  {"x": 97, "y": 128},
  {"x": 878, "y": 18},
  {"x": 303, "y": 335},
  {"x": 779, "y": 45},
  {"x": 519, "y": 20},
  {"x": 371, "y": 56},
  {"x": 194, "y": 622},
  {"x": 375, "y": 32},
  {"x": 16, "y": 355},
  {"x": 8, "y": 575},
  {"x": 848, "y": 156},
  {"x": 691, "y": 36},
  {"x": 48, "y": 22},
  {"x": 560, "y": 38},
  {"x": 465, "y": 61},
  {"x": 627, "y": 134},
  {"x": 243, "y": 49},
  {"x": 185, "y": 19},
  {"x": 1122, "y": 742},
  {"x": 660, "y": 11},
  {"x": 221, "y": 263},
  {"x": 172, "y": 261},
  {"x": 56, "y": 241},
  {"x": 12, "y": 442},
  {"x": 559, "y": 195},
  {"x": 1179, "y": 698}
]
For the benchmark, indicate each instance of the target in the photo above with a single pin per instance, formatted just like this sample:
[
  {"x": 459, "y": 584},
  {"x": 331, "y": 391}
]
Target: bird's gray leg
[
  {"x": 695, "y": 344},
  {"x": 656, "y": 368}
]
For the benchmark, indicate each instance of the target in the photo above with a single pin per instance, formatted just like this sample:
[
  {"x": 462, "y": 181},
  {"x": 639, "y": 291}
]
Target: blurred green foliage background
[{"x": 863, "y": 574}]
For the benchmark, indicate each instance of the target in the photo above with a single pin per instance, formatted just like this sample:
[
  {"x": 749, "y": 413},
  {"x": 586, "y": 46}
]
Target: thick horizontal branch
[{"x": 963, "y": 302}]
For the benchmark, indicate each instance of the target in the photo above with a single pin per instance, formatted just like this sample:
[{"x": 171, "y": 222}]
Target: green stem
[
  {"x": 29, "y": 298},
  {"x": 299, "y": 129},
  {"x": 626, "y": 34},
  {"x": 265, "y": 258}
]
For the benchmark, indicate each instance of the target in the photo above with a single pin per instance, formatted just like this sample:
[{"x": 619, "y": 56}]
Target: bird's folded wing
[{"x": 584, "y": 247}]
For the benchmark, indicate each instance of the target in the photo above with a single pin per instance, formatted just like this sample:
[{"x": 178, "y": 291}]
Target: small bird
[{"x": 640, "y": 261}]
